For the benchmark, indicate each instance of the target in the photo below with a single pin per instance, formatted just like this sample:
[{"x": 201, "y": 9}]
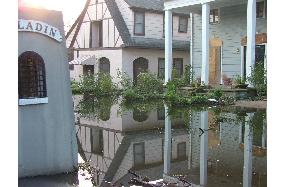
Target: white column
[
  {"x": 204, "y": 148},
  {"x": 167, "y": 143},
  {"x": 264, "y": 134},
  {"x": 205, "y": 44},
  {"x": 247, "y": 170},
  {"x": 251, "y": 23},
  {"x": 168, "y": 45}
]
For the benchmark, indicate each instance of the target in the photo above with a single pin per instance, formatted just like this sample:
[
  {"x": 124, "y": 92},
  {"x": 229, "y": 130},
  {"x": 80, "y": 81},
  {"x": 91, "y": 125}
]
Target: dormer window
[
  {"x": 214, "y": 16},
  {"x": 139, "y": 23},
  {"x": 260, "y": 9},
  {"x": 182, "y": 24}
]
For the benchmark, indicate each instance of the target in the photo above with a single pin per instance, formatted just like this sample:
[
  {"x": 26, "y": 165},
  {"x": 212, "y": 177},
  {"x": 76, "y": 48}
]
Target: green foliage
[
  {"x": 258, "y": 78},
  {"x": 148, "y": 87},
  {"x": 93, "y": 107},
  {"x": 239, "y": 80},
  {"x": 125, "y": 81},
  {"x": 217, "y": 93},
  {"x": 148, "y": 83},
  {"x": 188, "y": 74},
  {"x": 99, "y": 84}
]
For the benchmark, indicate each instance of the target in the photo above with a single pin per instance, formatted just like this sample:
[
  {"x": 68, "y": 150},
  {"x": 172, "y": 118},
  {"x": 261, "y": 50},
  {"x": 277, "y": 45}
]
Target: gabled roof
[
  {"x": 134, "y": 42},
  {"x": 152, "y": 5},
  {"x": 147, "y": 4}
]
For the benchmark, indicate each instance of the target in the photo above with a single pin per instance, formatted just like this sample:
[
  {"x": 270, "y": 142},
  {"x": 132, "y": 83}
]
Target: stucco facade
[{"x": 46, "y": 131}]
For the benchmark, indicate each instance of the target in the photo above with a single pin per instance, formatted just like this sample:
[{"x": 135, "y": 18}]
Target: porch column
[
  {"x": 247, "y": 169},
  {"x": 204, "y": 148},
  {"x": 167, "y": 142},
  {"x": 251, "y": 24},
  {"x": 168, "y": 45},
  {"x": 205, "y": 44}
]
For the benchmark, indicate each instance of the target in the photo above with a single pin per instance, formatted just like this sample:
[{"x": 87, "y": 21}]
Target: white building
[
  {"x": 127, "y": 35},
  {"x": 132, "y": 35}
]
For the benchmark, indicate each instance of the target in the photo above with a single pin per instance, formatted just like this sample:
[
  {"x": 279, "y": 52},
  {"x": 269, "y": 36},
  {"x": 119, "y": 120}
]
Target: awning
[{"x": 84, "y": 60}]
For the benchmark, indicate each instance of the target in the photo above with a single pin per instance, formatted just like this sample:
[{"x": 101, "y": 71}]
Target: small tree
[{"x": 258, "y": 78}]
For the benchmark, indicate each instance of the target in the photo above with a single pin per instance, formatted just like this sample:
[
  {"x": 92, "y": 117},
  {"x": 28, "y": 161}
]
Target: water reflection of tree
[{"x": 93, "y": 107}]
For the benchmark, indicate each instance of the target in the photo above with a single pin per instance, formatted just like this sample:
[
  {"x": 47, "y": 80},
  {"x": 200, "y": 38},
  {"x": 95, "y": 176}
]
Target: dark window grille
[
  {"x": 214, "y": 16},
  {"x": 31, "y": 76},
  {"x": 260, "y": 9}
]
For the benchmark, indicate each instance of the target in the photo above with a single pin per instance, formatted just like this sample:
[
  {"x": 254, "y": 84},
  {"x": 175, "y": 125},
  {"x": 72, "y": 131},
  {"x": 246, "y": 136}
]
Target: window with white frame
[
  {"x": 31, "y": 76},
  {"x": 214, "y": 16},
  {"x": 139, "y": 23}
]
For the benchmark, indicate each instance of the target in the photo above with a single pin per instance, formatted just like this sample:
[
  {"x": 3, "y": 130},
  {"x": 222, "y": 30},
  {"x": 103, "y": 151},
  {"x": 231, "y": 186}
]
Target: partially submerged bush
[
  {"x": 99, "y": 84},
  {"x": 258, "y": 78},
  {"x": 148, "y": 83}
]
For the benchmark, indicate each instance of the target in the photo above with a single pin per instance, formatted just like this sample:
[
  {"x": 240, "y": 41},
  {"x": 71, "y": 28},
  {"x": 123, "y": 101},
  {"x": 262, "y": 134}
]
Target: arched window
[
  {"x": 104, "y": 65},
  {"x": 31, "y": 76},
  {"x": 140, "y": 65}
]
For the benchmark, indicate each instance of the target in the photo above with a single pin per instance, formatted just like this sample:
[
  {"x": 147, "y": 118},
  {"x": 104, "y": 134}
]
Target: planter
[{"x": 241, "y": 86}]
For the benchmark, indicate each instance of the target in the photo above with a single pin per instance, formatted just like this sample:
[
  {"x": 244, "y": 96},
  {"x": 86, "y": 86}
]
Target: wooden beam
[{"x": 80, "y": 23}]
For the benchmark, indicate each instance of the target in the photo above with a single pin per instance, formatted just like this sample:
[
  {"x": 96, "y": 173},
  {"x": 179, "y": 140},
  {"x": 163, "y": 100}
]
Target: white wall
[
  {"x": 98, "y": 12},
  {"x": 114, "y": 57},
  {"x": 129, "y": 55}
]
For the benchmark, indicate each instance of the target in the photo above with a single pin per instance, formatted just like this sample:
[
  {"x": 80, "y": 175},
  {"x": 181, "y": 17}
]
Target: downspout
[{"x": 191, "y": 44}]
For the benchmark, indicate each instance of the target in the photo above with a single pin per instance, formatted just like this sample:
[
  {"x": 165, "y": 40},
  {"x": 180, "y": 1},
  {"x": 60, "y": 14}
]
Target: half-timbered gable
[{"x": 97, "y": 28}]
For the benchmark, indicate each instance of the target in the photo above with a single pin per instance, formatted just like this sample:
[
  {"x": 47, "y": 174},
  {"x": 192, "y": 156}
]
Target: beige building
[{"x": 127, "y": 35}]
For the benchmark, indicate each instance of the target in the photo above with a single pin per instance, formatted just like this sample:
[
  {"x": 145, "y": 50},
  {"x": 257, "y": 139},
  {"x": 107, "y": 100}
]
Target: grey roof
[
  {"x": 147, "y": 4},
  {"x": 119, "y": 21},
  {"x": 152, "y": 5},
  {"x": 141, "y": 42}
]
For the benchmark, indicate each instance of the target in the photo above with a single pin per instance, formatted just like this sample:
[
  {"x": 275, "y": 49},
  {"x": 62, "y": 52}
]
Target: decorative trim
[
  {"x": 39, "y": 27},
  {"x": 33, "y": 101},
  {"x": 259, "y": 39}
]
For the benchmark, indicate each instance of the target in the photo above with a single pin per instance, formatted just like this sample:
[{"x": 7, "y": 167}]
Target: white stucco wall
[
  {"x": 129, "y": 55},
  {"x": 114, "y": 56}
]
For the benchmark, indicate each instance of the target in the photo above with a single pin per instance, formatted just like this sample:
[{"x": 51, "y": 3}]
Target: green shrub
[
  {"x": 148, "y": 83},
  {"x": 99, "y": 84},
  {"x": 258, "y": 78},
  {"x": 125, "y": 81}
]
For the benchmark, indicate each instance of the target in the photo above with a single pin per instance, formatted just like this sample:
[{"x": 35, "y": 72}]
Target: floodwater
[{"x": 126, "y": 144}]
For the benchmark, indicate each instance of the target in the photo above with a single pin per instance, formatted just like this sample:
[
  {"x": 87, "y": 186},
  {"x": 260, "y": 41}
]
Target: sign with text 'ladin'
[{"x": 39, "y": 27}]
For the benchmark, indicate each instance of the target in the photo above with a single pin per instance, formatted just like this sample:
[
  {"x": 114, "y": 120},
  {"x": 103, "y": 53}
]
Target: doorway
[{"x": 215, "y": 61}]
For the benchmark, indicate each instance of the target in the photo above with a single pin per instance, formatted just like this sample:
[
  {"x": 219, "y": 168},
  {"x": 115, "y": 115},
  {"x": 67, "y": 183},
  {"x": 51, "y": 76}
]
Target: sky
[{"x": 70, "y": 8}]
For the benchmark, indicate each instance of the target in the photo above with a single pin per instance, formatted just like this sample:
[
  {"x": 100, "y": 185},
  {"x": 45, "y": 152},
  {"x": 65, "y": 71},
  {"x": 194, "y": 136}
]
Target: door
[
  {"x": 215, "y": 62},
  {"x": 140, "y": 65}
]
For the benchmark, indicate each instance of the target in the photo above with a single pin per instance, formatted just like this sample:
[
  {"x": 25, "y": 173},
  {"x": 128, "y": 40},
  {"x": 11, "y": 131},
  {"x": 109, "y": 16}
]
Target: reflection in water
[{"x": 229, "y": 152}]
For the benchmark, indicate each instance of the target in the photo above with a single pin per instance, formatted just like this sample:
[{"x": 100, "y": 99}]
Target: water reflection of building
[
  {"x": 227, "y": 159},
  {"x": 122, "y": 143},
  {"x": 130, "y": 141}
]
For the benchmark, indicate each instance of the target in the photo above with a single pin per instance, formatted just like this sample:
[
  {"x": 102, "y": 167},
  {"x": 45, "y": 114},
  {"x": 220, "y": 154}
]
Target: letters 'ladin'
[{"x": 39, "y": 27}]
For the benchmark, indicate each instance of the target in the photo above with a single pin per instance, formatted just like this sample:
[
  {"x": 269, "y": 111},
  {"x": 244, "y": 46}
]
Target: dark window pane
[
  {"x": 161, "y": 67},
  {"x": 182, "y": 24},
  {"x": 260, "y": 9},
  {"x": 31, "y": 76},
  {"x": 139, "y": 23}
]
